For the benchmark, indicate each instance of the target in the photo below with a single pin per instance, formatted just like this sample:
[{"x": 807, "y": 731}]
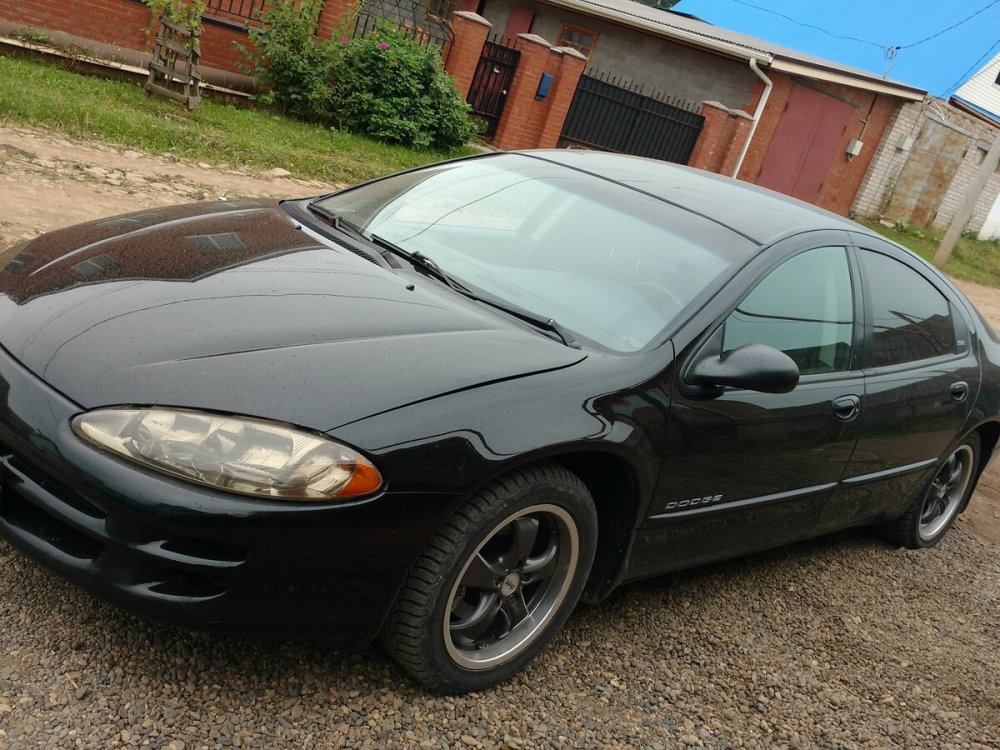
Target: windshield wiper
[
  {"x": 332, "y": 217},
  {"x": 347, "y": 232},
  {"x": 419, "y": 259},
  {"x": 539, "y": 321}
]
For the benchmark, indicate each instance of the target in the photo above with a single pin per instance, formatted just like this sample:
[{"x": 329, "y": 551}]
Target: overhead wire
[
  {"x": 887, "y": 48},
  {"x": 812, "y": 26},
  {"x": 975, "y": 66},
  {"x": 949, "y": 28},
  {"x": 889, "y": 51}
]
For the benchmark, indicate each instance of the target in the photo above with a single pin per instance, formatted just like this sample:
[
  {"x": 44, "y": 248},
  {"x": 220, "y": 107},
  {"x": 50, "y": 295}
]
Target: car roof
[{"x": 758, "y": 214}]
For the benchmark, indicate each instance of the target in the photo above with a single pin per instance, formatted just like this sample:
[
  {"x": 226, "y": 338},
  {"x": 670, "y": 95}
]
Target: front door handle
[
  {"x": 960, "y": 391},
  {"x": 846, "y": 408}
]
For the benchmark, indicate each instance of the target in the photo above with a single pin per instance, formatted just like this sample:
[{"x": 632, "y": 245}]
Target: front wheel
[
  {"x": 933, "y": 513},
  {"x": 496, "y": 582}
]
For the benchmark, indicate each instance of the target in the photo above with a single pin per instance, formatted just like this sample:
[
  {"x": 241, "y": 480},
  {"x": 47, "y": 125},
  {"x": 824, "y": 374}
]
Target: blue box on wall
[{"x": 544, "y": 85}]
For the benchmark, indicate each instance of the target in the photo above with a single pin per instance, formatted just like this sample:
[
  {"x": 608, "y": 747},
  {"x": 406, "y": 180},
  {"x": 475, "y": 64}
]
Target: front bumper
[{"x": 191, "y": 556}]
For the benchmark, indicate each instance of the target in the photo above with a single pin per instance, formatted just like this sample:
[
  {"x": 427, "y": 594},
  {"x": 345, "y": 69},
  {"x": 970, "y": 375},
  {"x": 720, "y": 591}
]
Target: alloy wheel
[
  {"x": 946, "y": 492},
  {"x": 511, "y": 586}
]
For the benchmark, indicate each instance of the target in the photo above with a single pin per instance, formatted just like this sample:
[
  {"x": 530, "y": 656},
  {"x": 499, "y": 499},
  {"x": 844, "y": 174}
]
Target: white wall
[
  {"x": 991, "y": 227},
  {"x": 982, "y": 89}
]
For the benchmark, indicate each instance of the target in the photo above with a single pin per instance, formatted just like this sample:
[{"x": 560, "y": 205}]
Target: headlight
[{"x": 235, "y": 454}]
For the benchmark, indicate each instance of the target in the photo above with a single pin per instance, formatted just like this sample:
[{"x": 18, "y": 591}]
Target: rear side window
[{"x": 911, "y": 319}]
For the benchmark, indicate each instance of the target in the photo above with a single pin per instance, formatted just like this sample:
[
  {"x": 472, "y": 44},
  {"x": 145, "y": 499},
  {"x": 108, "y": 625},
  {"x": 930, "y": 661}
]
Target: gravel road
[{"x": 838, "y": 642}]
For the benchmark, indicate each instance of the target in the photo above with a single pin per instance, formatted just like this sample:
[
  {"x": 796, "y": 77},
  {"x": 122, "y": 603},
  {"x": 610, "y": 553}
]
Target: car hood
[{"x": 232, "y": 307}]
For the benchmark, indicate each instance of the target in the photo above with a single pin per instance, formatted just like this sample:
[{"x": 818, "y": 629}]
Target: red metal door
[
  {"x": 518, "y": 22},
  {"x": 805, "y": 143}
]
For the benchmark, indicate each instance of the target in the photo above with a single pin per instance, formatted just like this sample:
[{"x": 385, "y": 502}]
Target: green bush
[
  {"x": 294, "y": 67},
  {"x": 390, "y": 88}
]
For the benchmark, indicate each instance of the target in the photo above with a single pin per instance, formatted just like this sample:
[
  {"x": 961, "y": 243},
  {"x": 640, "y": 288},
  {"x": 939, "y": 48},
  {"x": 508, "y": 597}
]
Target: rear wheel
[
  {"x": 933, "y": 513},
  {"x": 496, "y": 582}
]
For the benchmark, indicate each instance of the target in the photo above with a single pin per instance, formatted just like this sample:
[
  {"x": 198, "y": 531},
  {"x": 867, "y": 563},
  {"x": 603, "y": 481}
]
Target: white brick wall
[{"x": 876, "y": 188}]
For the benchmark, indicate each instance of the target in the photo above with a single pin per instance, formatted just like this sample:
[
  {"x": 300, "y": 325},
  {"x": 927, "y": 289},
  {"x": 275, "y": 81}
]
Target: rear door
[{"x": 921, "y": 379}]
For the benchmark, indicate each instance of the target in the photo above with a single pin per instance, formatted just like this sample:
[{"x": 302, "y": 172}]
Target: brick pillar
[
  {"x": 469, "y": 34},
  {"x": 722, "y": 138},
  {"x": 569, "y": 68},
  {"x": 336, "y": 18},
  {"x": 522, "y": 117},
  {"x": 737, "y": 139},
  {"x": 711, "y": 146},
  {"x": 469, "y": 5}
]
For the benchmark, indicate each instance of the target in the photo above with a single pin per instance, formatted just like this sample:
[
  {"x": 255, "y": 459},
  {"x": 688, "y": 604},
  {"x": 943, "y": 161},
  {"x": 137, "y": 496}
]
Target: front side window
[
  {"x": 804, "y": 308},
  {"x": 911, "y": 319}
]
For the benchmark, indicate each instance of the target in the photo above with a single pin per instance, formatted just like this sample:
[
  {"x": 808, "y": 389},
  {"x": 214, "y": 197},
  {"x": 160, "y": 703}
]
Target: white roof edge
[{"x": 857, "y": 82}]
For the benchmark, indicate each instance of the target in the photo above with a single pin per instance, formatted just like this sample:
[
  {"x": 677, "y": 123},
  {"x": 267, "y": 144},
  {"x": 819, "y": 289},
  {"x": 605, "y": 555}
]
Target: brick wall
[
  {"x": 721, "y": 140},
  {"x": 123, "y": 23},
  {"x": 882, "y": 183},
  {"x": 117, "y": 22},
  {"x": 981, "y": 136},
  {"x": 888, "y": 161},
  {"x": 872, "y": 113}
]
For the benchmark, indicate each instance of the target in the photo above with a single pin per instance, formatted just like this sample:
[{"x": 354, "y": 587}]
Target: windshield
[{"x": 609, "y": 263}]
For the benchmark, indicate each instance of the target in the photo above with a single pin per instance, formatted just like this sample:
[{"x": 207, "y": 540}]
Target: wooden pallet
[{"x": 176, "y": 43}]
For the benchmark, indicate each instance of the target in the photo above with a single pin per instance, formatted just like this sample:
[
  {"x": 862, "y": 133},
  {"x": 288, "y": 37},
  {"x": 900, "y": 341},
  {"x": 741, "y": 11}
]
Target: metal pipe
[{"x": 756, "y": 114}]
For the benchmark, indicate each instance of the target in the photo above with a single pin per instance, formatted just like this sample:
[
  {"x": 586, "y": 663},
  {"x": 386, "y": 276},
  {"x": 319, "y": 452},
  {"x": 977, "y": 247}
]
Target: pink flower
[
  {"x": 344, "y": 39},
  {"x": 384, "y": 45}
]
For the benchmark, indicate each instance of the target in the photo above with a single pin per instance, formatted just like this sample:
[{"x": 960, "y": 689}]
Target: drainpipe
[{"x": 757, "y": 113}]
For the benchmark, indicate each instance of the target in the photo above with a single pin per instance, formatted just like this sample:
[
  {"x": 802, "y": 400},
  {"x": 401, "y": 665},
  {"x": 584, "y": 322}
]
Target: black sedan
[{"x": 442, "y": 407}]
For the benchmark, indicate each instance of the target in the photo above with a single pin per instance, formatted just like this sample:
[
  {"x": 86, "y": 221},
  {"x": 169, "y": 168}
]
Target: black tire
[
  {"x": 934, "y": 511},
  {"x": 476, "y": 607}
]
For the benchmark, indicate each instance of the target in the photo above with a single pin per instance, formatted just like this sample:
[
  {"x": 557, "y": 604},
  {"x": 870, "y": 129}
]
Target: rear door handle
[
  {"x": 960, "y": 391},
  {"x": 846, "y": 408}
]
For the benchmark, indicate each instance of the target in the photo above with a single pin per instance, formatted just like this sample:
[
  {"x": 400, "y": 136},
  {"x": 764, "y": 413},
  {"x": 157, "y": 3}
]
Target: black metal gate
[
  {"x": 608, "y": 116},
  {"x": 492, "y": 81}
]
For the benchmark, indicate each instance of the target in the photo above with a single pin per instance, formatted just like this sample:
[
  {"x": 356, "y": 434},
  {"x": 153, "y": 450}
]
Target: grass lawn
[
  {"x": 118, "y": 112},
  {"x": 972, "y": 260}
]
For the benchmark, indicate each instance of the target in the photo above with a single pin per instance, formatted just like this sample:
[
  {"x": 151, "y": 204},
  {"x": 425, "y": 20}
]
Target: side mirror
[{"x": 755, "y": 367}]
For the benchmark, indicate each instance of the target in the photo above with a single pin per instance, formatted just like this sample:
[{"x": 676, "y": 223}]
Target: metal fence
[
  {"x": 365, "y": 24},
  {"x": 612, "y": 115},
  {"x": 419, "y": 21}
]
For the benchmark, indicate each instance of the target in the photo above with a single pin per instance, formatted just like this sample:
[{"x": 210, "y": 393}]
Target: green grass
[
  {"x": 972, "y": 260},
  {"x": 119, "y": 112}
]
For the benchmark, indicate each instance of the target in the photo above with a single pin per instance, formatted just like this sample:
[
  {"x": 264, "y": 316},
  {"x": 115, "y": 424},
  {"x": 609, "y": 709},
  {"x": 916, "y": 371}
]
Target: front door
[
  {"x": 921, "y": 379},
  {"x": 748, "y": 470}
]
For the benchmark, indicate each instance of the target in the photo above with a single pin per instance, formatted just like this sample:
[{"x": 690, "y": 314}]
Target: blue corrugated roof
[{"x": 857, "y": 33}]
